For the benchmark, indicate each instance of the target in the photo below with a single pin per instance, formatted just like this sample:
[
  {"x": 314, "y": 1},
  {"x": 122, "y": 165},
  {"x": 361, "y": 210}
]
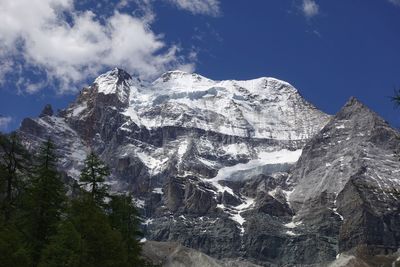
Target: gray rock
[
  {"x": 167, "y": 254},
  {"x": 168, "y": 141},
  {"x": 47, "y": 111}
]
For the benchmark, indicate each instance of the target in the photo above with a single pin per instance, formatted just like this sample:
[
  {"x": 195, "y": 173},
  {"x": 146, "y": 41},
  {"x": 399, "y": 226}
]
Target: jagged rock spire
[{"x": 47, "y": 111}]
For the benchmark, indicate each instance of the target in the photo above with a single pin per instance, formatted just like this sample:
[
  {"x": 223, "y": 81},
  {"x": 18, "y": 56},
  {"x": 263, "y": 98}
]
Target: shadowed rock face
[
  {"x": 47, "y": 111},
  {"x": 349, "y": 172},
  {"x": 214, "y": 166}
]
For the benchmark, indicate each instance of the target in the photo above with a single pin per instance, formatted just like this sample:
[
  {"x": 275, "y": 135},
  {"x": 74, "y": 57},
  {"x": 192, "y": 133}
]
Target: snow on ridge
[
  {"x": 262, "y": 85},
  {"x": 111, "y": 83},
  {"x": 182, "y": 81},
  {"x": 257, "y": 108},
  {"x": 180, "y": 77}
]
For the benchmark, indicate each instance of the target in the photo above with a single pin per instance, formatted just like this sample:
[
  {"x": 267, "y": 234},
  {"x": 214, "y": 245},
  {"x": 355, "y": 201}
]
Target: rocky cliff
[{"x": 237, "y": 169}]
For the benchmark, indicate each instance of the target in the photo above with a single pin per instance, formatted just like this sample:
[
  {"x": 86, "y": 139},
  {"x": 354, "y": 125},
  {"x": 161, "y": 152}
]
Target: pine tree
[
  {"x": 125, "y": 218},
  {"x": 13, "y": 251},
  {"x": 14, "y": 162},
  {"x": 44, "y": 202},
  {"x": 93, "y": 176},
  {"x": 65, "y": 248},
  {"x": 396, "y": 97},
  {"x": 86, "y": 239}
]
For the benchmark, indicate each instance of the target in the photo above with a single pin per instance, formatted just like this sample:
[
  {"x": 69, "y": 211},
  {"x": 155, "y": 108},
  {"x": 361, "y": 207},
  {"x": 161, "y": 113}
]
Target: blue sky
[{"x": 329, "y": 50}]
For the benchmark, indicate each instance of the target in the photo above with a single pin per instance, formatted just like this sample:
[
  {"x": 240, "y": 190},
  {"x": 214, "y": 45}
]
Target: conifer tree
[
  {"x": 65, "y": 248},
  {"x": 93, "y": 176},
  {"x": 45, "y": 201},
  {"x": 396, "y": 97},
  {"x": 13, "y": 251},
  {"x": 14, "y": 162},
  {"x": 125, "y": 218},
  {"x": 86, "y": 239}
]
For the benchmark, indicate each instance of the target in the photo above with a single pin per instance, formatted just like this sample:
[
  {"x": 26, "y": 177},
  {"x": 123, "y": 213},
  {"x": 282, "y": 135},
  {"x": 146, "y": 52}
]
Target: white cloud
[
  {"x": 70, "y": 45},
  {"x": 395, "y": 2},
  {"x": 5, "y": 67},
  {"x": 204, "y": 7},
  {"x": 310, "y": 8},
  {"x": 4, "y": 122}
]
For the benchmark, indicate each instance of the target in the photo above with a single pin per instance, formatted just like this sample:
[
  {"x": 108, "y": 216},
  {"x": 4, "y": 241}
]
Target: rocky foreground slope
[{"x": 240, "y": 170}]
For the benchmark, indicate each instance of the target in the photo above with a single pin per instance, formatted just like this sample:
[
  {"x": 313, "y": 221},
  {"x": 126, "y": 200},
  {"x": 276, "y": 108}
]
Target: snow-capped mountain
[
  {"x": 214, "y": 165},
  {"x": 263, "y": 108}
]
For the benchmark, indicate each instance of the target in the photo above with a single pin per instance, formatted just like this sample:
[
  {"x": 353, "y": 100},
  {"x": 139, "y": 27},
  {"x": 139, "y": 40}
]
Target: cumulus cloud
[
  {"x": 310, "y": 8},
  {"x": 4, "y": 122},
  {"x": 204, "y": 7},
  {"x": 395, "y": 2},
  {"x": 69, "y": 45}
]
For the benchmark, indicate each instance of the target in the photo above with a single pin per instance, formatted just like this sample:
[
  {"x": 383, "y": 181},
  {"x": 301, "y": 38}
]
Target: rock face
[
  {"x": 349, "y": 170},
  {"x": 47, "y": 111},
  {"x": 237, "y": 169},
  {"x": 169, "y": 254}
]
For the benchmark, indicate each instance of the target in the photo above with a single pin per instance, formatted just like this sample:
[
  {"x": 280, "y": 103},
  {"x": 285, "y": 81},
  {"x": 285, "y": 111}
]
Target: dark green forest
[{"x": 43, "y": 222}]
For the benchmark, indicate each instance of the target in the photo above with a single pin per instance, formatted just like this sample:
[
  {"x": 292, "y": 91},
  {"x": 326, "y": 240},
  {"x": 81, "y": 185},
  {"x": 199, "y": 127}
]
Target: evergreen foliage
[
  {"x": 93, "y": 176},
  {"x": 13, "y": 251},
  {"x": 64, "y": 247},
  {"x": 45, "y": 201},
  {"x": 396, "y": 97},
  {"x": 125, "y": 218},
  {"x": 41, "y": 226},
  {"x": 86, "y": 238},
  {"x": 14, "y": 169}
]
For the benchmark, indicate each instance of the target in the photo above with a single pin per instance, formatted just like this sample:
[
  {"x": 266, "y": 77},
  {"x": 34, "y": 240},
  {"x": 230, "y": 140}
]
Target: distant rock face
[
  {"x": 236, "y": 169},
  {"x": 47, "y": 111},
  {"x": 169, "y": 254},
  {"x": 349, "y": 172}
]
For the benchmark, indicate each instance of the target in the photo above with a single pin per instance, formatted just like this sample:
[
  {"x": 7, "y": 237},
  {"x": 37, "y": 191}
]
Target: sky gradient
[{"x": 329, "y": 50}]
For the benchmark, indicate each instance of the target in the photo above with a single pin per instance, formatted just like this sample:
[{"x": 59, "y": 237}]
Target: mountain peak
[
  {"x": 47, "y": 111},
  {"x": 179, "y": 75},
  {"x": 116, "y": 81},
  {"x": 353, "y": 101},
  {"x": 117, "y": 75},
  {"x": 354, "y": 108}
]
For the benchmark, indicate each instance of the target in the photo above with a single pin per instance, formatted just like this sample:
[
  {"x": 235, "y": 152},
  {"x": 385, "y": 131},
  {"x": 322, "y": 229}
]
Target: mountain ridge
[{"x": 231, "y": 168}]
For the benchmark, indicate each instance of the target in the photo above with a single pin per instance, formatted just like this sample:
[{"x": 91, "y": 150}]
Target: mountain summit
[{"x": 236, "y": 169}]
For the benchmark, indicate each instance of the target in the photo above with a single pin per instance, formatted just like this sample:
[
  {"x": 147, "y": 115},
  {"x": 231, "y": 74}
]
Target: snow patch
[
  {"x": 237, "y": 217},
  {"x": 291, "y": 233},
  {"x": 139, "y": 203},
  {"x": 293, "y": 224},
  {"x": 264, "y": 158},
  {"x": 155, "y": 165},
  {"x": 158, "y": 190},
  {"x": 337, "y": 213},
  {"x": 131, "y": 113},
  {"x": 236, "y": 149},
  {"x": 182, "y": 149},
  {"x": 148, "y": 221},
  {"x": 78, "y": 109}
]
